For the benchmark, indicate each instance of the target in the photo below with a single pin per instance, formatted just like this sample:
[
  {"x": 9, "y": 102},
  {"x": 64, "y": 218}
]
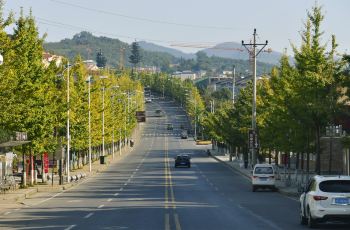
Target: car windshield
[
  {"x": 263, "y": 170},
  {"x": 183, "y": 157},
  {"x": 336, "y": 186}
]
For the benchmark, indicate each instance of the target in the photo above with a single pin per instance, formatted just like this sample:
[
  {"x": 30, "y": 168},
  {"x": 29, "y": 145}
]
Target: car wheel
[
  {"x": 253, "y": 188},
  {"x": 303, "y": 219},
  {"x": 311, "y": 222}
]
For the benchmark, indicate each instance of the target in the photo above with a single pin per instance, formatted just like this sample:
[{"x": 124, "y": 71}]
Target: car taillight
[
  {"x": 317, "y": 198},
  {"x": 255, "y": 177}
]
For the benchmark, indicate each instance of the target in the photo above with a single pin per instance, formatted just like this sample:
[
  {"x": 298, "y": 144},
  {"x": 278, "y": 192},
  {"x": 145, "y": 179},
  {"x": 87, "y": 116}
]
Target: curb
[{"x": 281, "y": 191}]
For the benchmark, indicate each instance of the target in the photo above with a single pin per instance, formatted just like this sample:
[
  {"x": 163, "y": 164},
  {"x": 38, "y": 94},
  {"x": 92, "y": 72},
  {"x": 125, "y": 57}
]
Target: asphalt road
[{"x": 143, "y": 190}]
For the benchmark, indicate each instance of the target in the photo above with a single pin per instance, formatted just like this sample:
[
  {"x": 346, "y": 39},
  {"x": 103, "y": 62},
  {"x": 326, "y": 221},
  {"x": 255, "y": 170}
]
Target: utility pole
[{"x": 253, "y": 54}]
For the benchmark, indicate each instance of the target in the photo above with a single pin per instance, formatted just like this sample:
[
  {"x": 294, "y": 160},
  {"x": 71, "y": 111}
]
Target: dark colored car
[
  {"x": 183, "y": 160},
  {"x": 184, "y": 134}
]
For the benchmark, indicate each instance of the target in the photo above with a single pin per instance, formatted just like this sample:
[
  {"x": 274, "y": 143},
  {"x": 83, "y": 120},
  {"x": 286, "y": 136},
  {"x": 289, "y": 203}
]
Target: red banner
[{"x": 46, "y": 162}]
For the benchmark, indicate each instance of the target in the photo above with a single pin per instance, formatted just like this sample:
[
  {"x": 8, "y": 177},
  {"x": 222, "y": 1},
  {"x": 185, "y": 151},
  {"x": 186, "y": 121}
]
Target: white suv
[
  {"x": 325, "y": 198},
  {"x": 263, "y": 177}
]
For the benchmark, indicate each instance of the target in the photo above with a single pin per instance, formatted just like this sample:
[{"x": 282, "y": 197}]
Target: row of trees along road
[
  {"x": 33, "y": 97},
  {"x": 294, "y": 104}
]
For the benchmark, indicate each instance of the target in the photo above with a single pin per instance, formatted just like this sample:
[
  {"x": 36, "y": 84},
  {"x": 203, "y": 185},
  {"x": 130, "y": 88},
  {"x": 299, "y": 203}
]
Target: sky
[{"x": 187, "y": 22}]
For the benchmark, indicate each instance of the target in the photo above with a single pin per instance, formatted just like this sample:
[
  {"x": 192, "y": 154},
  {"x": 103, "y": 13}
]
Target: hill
[
  {"x": 225, "y": 50},
  {"x": 156, "y": 48},
  {"x": 169, "y": 60}
]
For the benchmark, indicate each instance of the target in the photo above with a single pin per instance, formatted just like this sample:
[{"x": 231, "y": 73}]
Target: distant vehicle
[
  {"x": 148, "y": 100},
  {"x": 159, "y": 113},
  {"x": 184, "y": 134},
  {"x": 263, "y": 177},
  {"x": 325, "y": 198},
  {"x": 183, "y": 160},
  {"x": 169, "y": 127}
]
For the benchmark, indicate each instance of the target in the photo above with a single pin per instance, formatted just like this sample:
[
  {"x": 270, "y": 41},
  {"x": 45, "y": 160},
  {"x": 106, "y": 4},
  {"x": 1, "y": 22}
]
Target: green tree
[
  {"x": 101, "y": 60},
  {"x": 135, "y": 57}
]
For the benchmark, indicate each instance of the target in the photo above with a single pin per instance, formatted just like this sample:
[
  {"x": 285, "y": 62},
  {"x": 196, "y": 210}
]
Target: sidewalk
[
  {"x": 12, "y": 199},
  {"x": 281, "y": 184}
]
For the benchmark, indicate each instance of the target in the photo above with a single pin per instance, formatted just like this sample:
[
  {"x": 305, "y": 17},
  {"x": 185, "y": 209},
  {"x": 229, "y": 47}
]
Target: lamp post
[
  {"x": 89, "y": 95},
  {"x": 112, "y": 99},
  {"x": 103, "y": 114}
]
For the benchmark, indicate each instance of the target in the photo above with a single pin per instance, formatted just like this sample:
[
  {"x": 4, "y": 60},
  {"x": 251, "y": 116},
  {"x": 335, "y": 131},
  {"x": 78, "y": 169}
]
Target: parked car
[
  {"x": 183, "y": 160},
  {"x": 184, "y": 134},
  {"x": 263, "y": 176},
  {"x": 148, "y": 100},
  {"x": 325, "y": 198}
]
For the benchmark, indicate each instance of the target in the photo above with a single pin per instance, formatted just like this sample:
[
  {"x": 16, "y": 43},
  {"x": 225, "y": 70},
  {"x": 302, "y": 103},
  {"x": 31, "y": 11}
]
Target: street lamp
[
  {"x": 88, "y": 80},
  {"x": 68, "y": 115},
  {"x": 112, "y": 97},
  {"x": 103, "y": 114}
]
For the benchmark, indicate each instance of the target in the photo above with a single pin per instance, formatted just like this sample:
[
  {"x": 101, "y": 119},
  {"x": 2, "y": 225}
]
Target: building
[
  {"x": 185, "y": 75},
  {"x": 91, "y": 65},
  {"x": 48, "y": 58}
]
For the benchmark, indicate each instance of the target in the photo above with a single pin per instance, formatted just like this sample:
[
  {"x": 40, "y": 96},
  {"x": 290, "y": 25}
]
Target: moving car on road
[
  {"x": 184, "y": 134},
  {"x": 263, "y": 177},
  {"x": 325, "y": 198},
  {"x": 183, "y": 160}
]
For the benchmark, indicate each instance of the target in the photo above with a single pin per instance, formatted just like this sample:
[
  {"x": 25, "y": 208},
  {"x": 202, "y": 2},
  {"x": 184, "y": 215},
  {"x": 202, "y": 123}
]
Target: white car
[
  {"x": 148, "y": 100},
  {"x": 263, "y": 177},
  {"x": 325, "y": 198}
]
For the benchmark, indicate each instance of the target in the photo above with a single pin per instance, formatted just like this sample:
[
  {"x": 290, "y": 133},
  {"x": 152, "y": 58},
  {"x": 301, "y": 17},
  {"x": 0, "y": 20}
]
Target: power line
[{"x": 140, "y": 18}]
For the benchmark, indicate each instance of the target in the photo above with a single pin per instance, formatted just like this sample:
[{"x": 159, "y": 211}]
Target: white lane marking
[
  {"x": 129, "y": 180},
  {"x": 125, "y": 184},
  {"x": 121, "y": 189},
  {"x": 116, "y": 194},
  {"x": 262, "y": 219},
  {"x": 70, "y": 227},
  {"x": 101, "y": 206},
  {"x": 6, "y": 213},
  {"x": 211, "y": 184},
  {"x": 132, "y": 176},
  {"x": 216, "y": 188},
  {"x": 137, "y": 169},
  {"x": 89, "y": 215},
  {"x": 74, "y": 201},
  {"x": 17, "y": 209},
  {"x": 109, "y": 200}
]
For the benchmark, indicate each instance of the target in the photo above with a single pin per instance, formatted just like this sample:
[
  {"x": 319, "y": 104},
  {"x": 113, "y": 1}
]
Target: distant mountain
[
  {"x": 168, "y": 60},
  {"x": 157, "y": 48},
  {"x": 228, "y": 50},
  {"x": 87, "y": 45}
]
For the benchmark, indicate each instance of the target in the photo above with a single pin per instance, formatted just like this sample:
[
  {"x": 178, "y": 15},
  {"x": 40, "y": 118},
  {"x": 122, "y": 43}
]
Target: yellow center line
[{"x": 169, "y": 186}]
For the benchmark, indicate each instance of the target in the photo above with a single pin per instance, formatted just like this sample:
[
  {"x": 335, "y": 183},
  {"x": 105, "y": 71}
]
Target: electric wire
[{"x": 141, "y": 18}]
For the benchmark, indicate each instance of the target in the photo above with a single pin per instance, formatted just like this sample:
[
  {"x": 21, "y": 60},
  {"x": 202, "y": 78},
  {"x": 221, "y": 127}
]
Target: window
[
  {"x": 263, "y": 170},
  {"x": 336, "y": 186}
]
